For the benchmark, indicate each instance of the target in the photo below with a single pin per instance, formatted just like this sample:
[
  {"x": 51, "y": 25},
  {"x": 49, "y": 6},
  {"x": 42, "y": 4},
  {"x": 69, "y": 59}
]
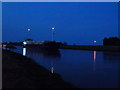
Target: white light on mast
[
  {"x": 28, "y": 30},
  {"x": 94, "y": 41},
  {"x": 53, "y": 28}
]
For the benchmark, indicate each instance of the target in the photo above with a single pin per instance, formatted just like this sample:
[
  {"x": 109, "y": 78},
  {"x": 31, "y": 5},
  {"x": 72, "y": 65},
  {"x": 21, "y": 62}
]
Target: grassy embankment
[{"x": 22, "y": 72}]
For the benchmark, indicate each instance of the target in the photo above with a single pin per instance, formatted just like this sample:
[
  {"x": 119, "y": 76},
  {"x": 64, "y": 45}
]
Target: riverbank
[
  {"x": 22, "y": 72},
  {"x": 87, "y": 47},
  {"x": 92, "y": 47}
]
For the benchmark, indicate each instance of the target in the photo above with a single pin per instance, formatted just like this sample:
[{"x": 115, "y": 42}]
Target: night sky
[{"x": 79, "y": 23}]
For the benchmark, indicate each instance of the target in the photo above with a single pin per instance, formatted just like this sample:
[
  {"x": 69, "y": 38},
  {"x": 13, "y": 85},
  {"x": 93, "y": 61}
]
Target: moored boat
[{"x": 46, "y": 45}]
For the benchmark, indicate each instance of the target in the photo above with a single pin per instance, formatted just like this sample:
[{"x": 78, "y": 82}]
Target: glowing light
[
  {"x": 94, "y": 41},
  {"x": 28, "y": 30},
  {"x": 24, "y": 43},
  {"x": 24, "y": 51},
  {"x": 53, "y": 28}
]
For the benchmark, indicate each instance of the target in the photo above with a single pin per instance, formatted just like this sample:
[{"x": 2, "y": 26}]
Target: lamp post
[
  {"x": 53, "y": 29},
  {"x": 94, "y": 42},
  {"x": 29, "y": 33},
  {"x": 28, "y": 30}
]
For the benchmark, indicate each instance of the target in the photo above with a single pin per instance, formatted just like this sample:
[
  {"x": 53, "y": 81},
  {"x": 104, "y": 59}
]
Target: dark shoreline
[
  {"x": 92, "y": 47},
  {"x": 86, "y": 47},
  {"x": 22, "y": 72}
]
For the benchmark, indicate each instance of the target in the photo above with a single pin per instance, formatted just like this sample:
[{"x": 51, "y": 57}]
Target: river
[{"x": 84, "y": 69}]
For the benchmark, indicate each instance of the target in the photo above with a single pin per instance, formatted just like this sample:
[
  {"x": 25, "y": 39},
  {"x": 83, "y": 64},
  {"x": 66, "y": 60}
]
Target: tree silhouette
[{"x": 112, "y": 41}]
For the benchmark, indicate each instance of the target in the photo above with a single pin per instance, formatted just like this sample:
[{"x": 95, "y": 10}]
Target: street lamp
[
  {"x": 94, "y": 42},
  {"x": 53, "y": 29},
  {"x": 28, "y": 34},
  {"x": 28, "y": 30}
]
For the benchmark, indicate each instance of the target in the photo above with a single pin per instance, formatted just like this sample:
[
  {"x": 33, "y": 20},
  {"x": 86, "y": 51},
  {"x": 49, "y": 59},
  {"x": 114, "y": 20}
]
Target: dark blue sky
[{"x": 79, "y": 23}]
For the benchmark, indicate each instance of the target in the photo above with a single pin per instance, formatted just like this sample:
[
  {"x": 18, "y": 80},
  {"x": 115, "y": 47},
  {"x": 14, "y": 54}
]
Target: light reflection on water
[
  {"x": 24, "y": 51},
  {"x": 95, "y": 55},
  {"x": 89, "y": 69}
]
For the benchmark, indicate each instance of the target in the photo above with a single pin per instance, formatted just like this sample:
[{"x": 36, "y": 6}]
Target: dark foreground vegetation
[{"x": 22, "y": 72}]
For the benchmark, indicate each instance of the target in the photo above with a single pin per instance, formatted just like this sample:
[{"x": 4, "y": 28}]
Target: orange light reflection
[{"x": 94, "y": 56}]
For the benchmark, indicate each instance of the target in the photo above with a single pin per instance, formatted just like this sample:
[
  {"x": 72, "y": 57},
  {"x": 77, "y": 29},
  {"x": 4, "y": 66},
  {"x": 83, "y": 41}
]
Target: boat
[{"x": 45, "y": 45}]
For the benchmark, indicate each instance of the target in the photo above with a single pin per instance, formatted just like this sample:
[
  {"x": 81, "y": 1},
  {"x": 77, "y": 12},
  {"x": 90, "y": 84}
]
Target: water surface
[{"x": 84, "y": 69}]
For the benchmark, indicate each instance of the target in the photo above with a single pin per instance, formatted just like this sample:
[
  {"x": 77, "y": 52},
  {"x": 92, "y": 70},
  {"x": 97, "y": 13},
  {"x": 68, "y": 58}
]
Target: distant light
[
  {"x": 94, "y": 41},
  {"x": 53, "y": 28},
  {"x": 24, "y": 43},
  {"x": 28, "y": 30}
]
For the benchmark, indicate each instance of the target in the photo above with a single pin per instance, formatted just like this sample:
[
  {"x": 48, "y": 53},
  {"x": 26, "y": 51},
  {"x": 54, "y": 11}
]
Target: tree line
[{"x": 112, "y": 41}]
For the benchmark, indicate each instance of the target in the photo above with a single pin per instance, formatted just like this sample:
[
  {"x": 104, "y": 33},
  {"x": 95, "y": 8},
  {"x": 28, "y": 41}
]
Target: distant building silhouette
[{"x": 112, "y": 41}]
